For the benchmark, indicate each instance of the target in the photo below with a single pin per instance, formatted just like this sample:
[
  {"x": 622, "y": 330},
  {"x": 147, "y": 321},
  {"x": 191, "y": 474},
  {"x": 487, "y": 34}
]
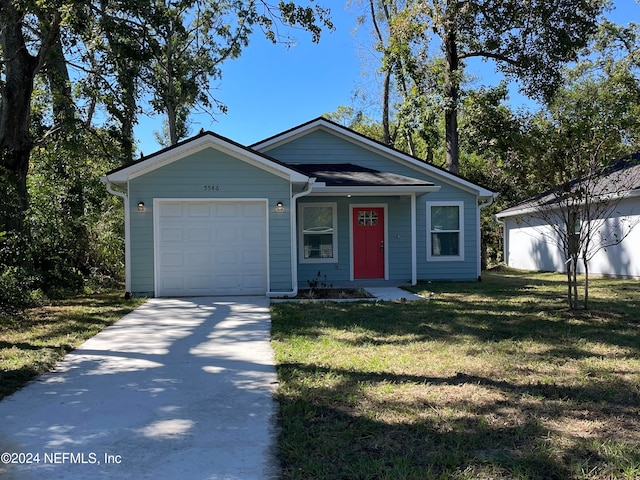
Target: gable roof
[
  {"x": 205, "y": 139},
  {"x": 603, "y": 183},
  {"x": 352, "y": 136}
]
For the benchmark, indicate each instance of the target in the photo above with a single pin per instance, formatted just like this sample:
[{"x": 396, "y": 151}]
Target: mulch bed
[{"x": 331, "y": 294}]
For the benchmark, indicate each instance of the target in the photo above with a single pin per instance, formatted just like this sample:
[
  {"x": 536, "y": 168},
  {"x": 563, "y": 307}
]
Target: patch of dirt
[{"x": 331, "y": 294}]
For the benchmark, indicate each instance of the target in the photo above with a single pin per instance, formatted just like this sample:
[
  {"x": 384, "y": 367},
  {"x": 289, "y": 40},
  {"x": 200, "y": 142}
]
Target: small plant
[{"x": 317, "y": 283}]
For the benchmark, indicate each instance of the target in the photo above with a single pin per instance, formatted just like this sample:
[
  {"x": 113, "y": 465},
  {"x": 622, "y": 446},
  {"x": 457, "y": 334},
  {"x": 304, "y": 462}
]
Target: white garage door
[{"x": 211, "y": 248}]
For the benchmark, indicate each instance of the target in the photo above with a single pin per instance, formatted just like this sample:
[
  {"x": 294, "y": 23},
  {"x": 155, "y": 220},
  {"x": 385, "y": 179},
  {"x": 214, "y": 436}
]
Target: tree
[
  {"x": 24, "y": 47},
  {"x": 186, "y": 55},
  {"x": 528, "y": 41},
  {"x": 409, "y": 109},
  {"x": 582, "y": 217},
  {"x": 589, "y": 124},
  {"x": 110, "y": 48},
  {"x": 72, "y": 85},
  {"x": 188, "y": 40}
]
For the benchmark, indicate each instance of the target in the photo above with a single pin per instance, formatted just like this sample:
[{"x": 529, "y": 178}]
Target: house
[
  {"x": 531, "y": 242},
  {"x": 209, "y": 216}
]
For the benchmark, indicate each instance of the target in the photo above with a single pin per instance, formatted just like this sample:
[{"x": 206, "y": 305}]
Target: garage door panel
[
  {"x": 199, "y": 210},
  {"x": 226, "y": 257},
  {"x": 172, "y": 259},
  {"x": 171, "y": 234},
  {"x": 171, "y": 210},
  {"x": 211, "y": 248},
  {"x": 253, "y": 281},
  {"x": 200, "y": 282},
  {"x": 226, "y": 233},
  {"x": 199, "y": 234},
  {"x": 172, "y": 283},
  {"x": 199, "y": 259},
  {"x": 252, "y": 258},
  {"x": 226, "y": 210}
]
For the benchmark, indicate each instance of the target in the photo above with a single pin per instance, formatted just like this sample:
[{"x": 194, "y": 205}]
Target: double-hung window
[
  {"x": 445, "y": 232},
  {"x": 318, "y": 233}
]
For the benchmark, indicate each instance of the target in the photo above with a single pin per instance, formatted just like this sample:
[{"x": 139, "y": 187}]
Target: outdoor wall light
[
  {"x": 141, "y": 206},
  {"x": 279, "y": 207}
]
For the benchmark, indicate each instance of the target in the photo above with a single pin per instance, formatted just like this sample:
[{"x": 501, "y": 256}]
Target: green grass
[
  {"x": 33, "y": 341},
  {"x": 489, "y": 380}
]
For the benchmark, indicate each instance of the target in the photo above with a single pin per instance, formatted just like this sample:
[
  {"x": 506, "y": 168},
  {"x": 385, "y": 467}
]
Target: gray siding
[
  {"x": 189, "y": 178},
  {"x": 398, "y": 246},
  {"x": 453, "y": 270},
  {"x": 321, "y": 146}
]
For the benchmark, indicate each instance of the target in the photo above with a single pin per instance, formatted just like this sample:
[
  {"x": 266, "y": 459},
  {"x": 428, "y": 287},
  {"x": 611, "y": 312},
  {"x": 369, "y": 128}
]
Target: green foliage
[
  {"x": 60, "y": 131},
  {"x": 76, "y": 224},
  {"x": 18, "y": 289},
  {"x": 74, "y": 235},
  {"x": 528, "y": 41}
]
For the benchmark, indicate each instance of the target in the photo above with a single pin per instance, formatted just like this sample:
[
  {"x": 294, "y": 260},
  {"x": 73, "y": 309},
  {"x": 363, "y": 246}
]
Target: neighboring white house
[{"x": 532, "y": 243}]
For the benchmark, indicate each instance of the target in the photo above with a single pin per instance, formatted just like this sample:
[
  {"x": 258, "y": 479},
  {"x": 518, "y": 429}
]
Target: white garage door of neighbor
[{"x": 211, "y": 248}]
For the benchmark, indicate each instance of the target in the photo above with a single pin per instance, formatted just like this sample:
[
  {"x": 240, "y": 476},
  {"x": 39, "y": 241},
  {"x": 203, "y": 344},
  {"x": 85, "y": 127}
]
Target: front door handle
[{"x": 382, "y": 246}]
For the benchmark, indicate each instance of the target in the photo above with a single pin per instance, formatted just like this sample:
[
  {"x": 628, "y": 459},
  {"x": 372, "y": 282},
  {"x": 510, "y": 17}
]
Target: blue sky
[{"x": 270, "y": 88}]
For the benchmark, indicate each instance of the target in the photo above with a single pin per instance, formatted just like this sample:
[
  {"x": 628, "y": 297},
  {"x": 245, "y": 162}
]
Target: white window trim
[
  {"x": 301, "y": 208},
  {"x": 446, "y": 258}
]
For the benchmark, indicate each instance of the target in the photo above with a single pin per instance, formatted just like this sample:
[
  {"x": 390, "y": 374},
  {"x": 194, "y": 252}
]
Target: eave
[{"x": 319, "y": 190}]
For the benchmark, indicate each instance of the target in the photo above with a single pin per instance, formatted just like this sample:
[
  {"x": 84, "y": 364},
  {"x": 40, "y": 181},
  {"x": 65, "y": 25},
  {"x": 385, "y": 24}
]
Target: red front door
[{"x": 368, "y": 242}]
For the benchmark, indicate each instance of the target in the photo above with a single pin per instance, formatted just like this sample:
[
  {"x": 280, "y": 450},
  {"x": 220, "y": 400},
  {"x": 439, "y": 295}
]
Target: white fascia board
[
  {"x": 515, "y": 213},
  {"x": 373, "y": 190},
  {"x": 526, "y": 211},
  {"x": 378, "y": 148},
  {"x": 197, "y": 145},
  {"x": 555, "y": 206},
  {"x": 286, "y": 137}
]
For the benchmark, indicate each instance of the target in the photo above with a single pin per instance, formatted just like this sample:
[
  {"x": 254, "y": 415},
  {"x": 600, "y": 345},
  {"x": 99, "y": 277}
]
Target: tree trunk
[
  {"x": 171, "y": 122},
  {"x": 20, "y": 68},
  {"x": 574, "y": 261},
  {"x": 569, "y": 285},
  {"x": 64, "y": 112},
  {"x": 451, "y": 89},
  {"x": 127, "y": 77},
  {"x": 386, "y": 134},
  {"x": 585, "y": 262}
]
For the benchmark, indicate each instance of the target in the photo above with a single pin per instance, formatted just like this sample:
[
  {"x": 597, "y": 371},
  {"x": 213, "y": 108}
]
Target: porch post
[{"x": 414, "y": 250}]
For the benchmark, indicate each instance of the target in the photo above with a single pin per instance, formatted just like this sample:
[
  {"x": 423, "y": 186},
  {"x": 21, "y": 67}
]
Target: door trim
[{"x": 384, "y": 206}]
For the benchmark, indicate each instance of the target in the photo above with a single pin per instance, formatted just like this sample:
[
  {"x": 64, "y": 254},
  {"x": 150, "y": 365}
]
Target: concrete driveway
[{"x": 179, "y": 388}]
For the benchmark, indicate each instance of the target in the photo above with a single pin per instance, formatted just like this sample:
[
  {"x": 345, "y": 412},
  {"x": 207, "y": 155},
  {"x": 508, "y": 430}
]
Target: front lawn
[
  {"x": 32, "y": 341},
  {"x": 489, "y": 380}
]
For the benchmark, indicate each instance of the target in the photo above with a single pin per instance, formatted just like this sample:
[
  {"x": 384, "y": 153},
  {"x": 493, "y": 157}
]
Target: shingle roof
[
  {"x": 349, "y": 175},
  {"x": 619, "y": 178}
]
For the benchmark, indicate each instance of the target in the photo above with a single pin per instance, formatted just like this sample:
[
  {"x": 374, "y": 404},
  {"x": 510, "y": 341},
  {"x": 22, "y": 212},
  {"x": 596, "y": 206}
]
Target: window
[
  {"x": 368, "y": 218},
  {"x": 318, "y": 233},
  {"x": 445, "y": 231}
]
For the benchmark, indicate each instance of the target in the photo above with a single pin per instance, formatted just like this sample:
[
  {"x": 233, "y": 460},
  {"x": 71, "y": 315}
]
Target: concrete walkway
[
  {"x": 388, "y": 294},
  {"x": 179, "y": 388}
]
